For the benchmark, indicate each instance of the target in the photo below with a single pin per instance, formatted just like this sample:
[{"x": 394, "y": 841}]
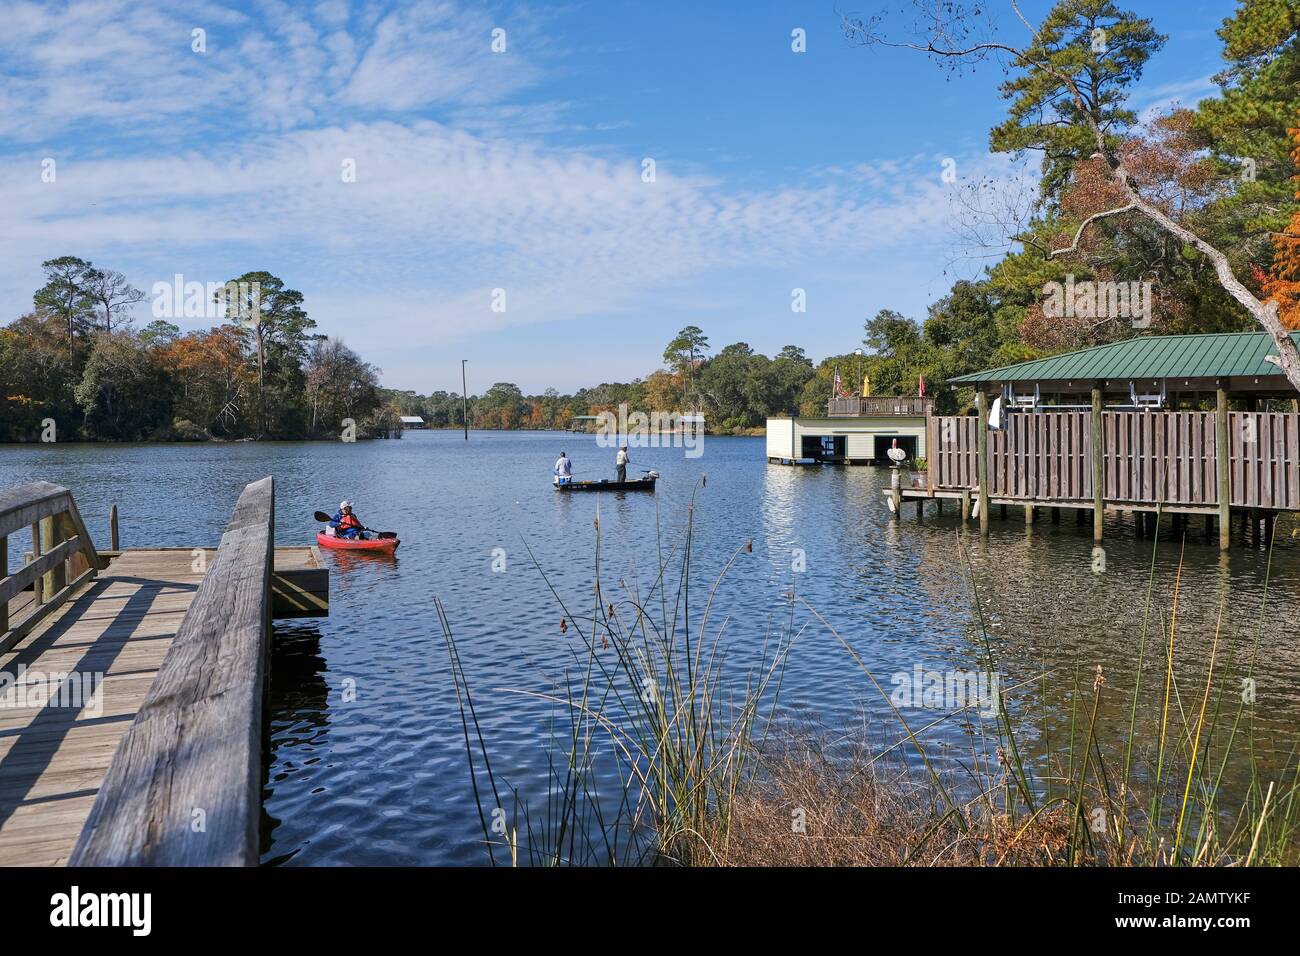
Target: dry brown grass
[{"x": 806, "y": 808}]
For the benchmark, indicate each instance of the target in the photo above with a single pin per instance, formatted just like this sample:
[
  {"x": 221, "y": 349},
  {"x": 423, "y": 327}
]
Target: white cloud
[{"x": 209, "y": 166}]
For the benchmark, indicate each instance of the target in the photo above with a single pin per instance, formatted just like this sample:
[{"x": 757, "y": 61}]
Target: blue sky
[{"x": 519, "y": 170}]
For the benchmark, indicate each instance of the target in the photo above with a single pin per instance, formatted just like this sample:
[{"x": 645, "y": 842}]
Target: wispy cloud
[{"x": 213, "y": 163}]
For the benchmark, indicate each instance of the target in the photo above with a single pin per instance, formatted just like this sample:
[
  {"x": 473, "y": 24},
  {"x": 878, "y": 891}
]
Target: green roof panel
[{"x": 1216, "y": 355}]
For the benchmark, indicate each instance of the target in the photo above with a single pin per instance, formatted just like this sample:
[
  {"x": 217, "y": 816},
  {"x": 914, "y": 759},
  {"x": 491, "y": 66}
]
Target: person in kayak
[
  {"x": 563, "y": 470},
  {"x": 620, "y": 463},
  {"x": 346, "y": 524}
]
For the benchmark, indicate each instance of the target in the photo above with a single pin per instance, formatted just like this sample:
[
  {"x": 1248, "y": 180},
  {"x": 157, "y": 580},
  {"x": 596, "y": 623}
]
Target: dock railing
[
  {"x": 62, "y": 556},
  {"x": 184, "y": 788},
  {"x": 879, "y": 406},
  {"x": 1178, "y": 460}
]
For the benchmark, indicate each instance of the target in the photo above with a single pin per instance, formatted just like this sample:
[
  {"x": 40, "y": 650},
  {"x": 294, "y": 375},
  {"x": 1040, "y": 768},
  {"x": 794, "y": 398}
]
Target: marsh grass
[{"x": 662, "y": 751}]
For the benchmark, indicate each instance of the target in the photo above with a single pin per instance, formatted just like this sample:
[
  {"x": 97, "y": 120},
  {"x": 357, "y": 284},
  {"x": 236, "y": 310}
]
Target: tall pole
[
  {"x": 982, "y": 456},
  {"x": 1222, "y": 466},
  {"x": 1098, "y": 469},
  {"x": 464, "y": 404}
]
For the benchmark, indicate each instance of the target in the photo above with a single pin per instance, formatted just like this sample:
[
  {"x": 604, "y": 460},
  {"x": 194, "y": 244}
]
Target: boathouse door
[{"x": 824, "y": 447}]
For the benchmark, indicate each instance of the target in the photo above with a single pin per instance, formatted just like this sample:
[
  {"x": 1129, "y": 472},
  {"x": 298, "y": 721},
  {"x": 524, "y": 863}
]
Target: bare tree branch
[{"x": 1078, "y": 233}]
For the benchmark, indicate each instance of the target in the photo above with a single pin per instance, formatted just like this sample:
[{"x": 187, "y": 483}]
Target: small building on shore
[
  {"x": 412, "y": 421},
  {"x": 855, "y": 431}
]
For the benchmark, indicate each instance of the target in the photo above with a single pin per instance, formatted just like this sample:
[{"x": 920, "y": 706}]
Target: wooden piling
[
  {"x": 112, "y": 530},
  {"x": 982, "y": 456},
  {"x": 1221, "y": 455},
  {"x": 1098, "y": 471},
  {"x": 38, "y": 586}
]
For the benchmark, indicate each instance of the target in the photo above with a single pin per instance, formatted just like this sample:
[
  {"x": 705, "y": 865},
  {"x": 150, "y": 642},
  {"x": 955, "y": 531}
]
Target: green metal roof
[{"x": 1217, "y": 355}]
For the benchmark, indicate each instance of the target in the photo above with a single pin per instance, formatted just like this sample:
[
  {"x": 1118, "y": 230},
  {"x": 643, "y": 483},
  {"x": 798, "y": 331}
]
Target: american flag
[
  {"x": 837, "y": 390},
  {"x": 920, "y": 388}
]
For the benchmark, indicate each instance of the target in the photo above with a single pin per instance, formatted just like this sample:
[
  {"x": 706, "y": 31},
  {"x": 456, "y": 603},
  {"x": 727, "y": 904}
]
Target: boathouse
[
  {"x": 1174, "y": 424},
  {"x": 855, "y": 431}
]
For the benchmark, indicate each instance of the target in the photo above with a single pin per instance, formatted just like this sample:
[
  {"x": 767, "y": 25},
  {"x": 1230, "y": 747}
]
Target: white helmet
[{"x": 344, "y": 504}]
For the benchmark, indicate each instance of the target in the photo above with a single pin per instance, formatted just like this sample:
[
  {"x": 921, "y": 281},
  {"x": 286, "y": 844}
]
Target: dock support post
[
  {"x": 1030, "y": 514},
  {"x": 965, "y": 507},
  {"x": 1098, "y": 471},
  {"x": 4, "y": 573},
  {"x": 1221, "y": 452},
  {"x": 51, "y": 537},
  {"x": 920, "y": 502},
  {"x": 112, "y": 530},
  {"x": 38, "y": 586},
  {"x": 982, "y": 456},
  {"x": 896, "y": 490}
]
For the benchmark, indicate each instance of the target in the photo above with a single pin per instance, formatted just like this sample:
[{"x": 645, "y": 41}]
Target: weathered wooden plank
[
  {"x": 17, "y": 582},
  {"x": 184, "y": 787},
  {"x": 53, "y": 757},
  {"x": 27, "y": 504}
]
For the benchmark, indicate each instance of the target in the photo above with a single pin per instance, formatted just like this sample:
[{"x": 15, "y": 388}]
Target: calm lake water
[{"x": 382, "y": 779}]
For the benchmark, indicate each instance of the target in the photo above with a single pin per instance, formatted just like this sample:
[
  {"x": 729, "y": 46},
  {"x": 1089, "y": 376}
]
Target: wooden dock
[
  {"x": 131, "y": 711},
  {"x": 1220, "y": 464}
]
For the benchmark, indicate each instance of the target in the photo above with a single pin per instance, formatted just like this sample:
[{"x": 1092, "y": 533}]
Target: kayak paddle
[{"x": 322, "y": 516}]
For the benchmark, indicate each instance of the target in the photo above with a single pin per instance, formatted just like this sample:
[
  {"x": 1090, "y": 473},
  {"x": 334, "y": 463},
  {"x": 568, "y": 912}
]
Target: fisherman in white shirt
[
  {"x": 620, "y": 463},
  {"x": 563, "y": 470}
]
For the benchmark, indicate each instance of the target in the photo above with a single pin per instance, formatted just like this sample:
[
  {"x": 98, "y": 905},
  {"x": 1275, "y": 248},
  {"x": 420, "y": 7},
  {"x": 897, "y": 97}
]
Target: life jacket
[{"x": 349, "y": 521}]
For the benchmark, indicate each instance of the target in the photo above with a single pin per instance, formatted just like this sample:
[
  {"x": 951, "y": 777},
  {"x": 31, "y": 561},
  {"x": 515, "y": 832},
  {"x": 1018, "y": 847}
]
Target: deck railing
[
  {"x": 1147, "y": 458},
  {"x": 61, "y": 559},
  {"x": 879, "y": 405},
  {"x": 184, "y": 788}
]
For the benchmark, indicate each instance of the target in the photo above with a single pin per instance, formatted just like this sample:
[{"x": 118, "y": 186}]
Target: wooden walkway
[
  {"x": 54, "y": 758},
  {"x": 109, "y": 640}
]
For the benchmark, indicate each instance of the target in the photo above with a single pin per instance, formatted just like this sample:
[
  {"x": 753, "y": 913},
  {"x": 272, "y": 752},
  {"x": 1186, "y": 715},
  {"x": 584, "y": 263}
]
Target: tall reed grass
[{"x": 663, "y": 751}]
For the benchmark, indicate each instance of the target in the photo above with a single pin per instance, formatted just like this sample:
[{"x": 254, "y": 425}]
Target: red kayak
[{"x": 385, "y": 545}]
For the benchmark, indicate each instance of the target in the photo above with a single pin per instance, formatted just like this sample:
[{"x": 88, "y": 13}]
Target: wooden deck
[
  {"x": 1217, "y": 463},
  {"x": 53, "y": 758},
  {"x": 118, "y": 627}
]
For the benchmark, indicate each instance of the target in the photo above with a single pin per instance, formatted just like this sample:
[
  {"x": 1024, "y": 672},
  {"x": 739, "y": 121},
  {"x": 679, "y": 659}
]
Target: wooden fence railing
[
  {"x": 1264, "y": 451},
  {"x": 882, "y": 405},
  {"x": 1148, "y": 458},
  {"x": 1042, "y": 456},
  {"x": 953, "y": 452},
  {"x": 184, "y": 788},
  {"x": 61, "y": 559},
  {"x": 1161, "y": 457}
]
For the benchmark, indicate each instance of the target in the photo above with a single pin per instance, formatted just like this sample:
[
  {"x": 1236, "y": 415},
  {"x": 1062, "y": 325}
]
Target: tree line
[{"x": 76, "y": 367}]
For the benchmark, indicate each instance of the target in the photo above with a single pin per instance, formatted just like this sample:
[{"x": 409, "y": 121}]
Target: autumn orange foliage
[{"x": 1281, "y": 284}]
